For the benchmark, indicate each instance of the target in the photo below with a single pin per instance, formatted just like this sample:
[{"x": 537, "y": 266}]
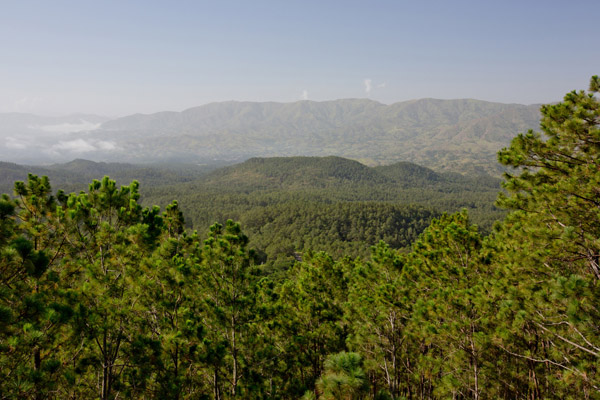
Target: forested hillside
[
  {"x": 103, "y": 298},
  {"x": 291, "y": 204},
  {"x": 75, "y": 175}
]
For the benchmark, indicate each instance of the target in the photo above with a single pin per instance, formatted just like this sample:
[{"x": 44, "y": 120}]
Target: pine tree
[
  {"x": 311, "y": 322},
  {"x": 228, "y": 302},
  {"x": 171, "y": 290},
  {"x": 548, "y": 251},
  {"x": 32, "y": 289},
  {"x": 109, "y": 236},
  {"x": 379, "y": 306},
  {"x": 343, "y": 378}
]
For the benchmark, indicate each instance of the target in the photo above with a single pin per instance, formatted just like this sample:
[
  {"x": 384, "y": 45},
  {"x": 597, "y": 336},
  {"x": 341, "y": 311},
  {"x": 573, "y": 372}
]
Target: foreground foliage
[{"x": 101, "y": 298}]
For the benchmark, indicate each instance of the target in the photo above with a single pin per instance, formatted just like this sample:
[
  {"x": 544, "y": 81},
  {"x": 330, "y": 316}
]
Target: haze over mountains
[
  {"x": 33, "y": 139},
  {"x": 455, "y": 135}
]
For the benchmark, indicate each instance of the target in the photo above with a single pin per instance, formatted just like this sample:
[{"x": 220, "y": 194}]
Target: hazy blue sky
[{"x": 122, "y": 57}]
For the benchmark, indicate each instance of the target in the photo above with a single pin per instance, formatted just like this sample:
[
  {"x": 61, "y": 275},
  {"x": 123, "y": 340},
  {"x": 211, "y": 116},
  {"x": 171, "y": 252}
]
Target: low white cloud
[
  {"x": 66, "y": 127},
  {"x": 27, "y": 104},
  {"x": 305, "y": 94},
  {"x": 368, "y": 86},
  {"x": 381, "y": 85},
  {"x": 17, "y": 143},
  {"x": 106, "y": 145},
  {"x": 75, "y": 146},
  {"x": 82, "y": 146}
]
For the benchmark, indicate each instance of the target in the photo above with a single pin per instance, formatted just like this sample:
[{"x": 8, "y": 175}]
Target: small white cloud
[
  {"x": 368, "y": 86},
  {"x": 305, "y": 94}
]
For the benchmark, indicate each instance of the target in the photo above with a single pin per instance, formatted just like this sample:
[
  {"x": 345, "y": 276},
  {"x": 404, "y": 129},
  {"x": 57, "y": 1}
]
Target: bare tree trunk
[
  {"x": 104, "y": 371},
  {"x": 475, "y": 364},
  {"x": 37, "y": 364},
  {"x": 217, "y": 392},
  {"x": 177, "y": 371},
  {"x": 235, "y": 361}
]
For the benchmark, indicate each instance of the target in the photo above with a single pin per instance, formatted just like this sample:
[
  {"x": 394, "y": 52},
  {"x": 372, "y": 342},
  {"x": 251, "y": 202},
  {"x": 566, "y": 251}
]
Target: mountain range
[{"x": 445, "y": 135}]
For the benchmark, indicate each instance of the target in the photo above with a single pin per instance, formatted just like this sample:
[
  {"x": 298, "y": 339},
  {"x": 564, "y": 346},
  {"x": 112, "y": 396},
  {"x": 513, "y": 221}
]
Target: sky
[{"x": 116, "y": 58}]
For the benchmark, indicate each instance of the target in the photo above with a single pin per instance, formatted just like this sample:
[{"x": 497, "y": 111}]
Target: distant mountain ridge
[
  {"x": 459, "y": 135},
  {"x": 451, "y": 135}
]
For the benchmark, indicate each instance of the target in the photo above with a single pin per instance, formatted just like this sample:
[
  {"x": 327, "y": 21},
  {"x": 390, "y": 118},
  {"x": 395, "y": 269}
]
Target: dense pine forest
[
  {"x": 288, "y": 205},
  {"x": 104, "y": 296}
]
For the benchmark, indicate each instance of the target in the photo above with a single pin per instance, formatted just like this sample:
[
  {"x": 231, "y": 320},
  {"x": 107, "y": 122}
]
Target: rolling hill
[{"x": 289, "y": 204}]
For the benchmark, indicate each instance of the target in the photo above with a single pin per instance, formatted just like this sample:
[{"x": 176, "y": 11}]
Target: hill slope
[
  {"x": 77, "y": 174},
  {"x": 327, "y": 203},
  {"x": 294, "y": 172}
]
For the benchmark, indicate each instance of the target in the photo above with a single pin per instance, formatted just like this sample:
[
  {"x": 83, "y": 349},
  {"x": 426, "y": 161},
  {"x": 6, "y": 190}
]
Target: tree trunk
[
  {"x": 235, "y": 361},
  {"x": 217, "y": 392},
  {"x": 37, "y": 364}
]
